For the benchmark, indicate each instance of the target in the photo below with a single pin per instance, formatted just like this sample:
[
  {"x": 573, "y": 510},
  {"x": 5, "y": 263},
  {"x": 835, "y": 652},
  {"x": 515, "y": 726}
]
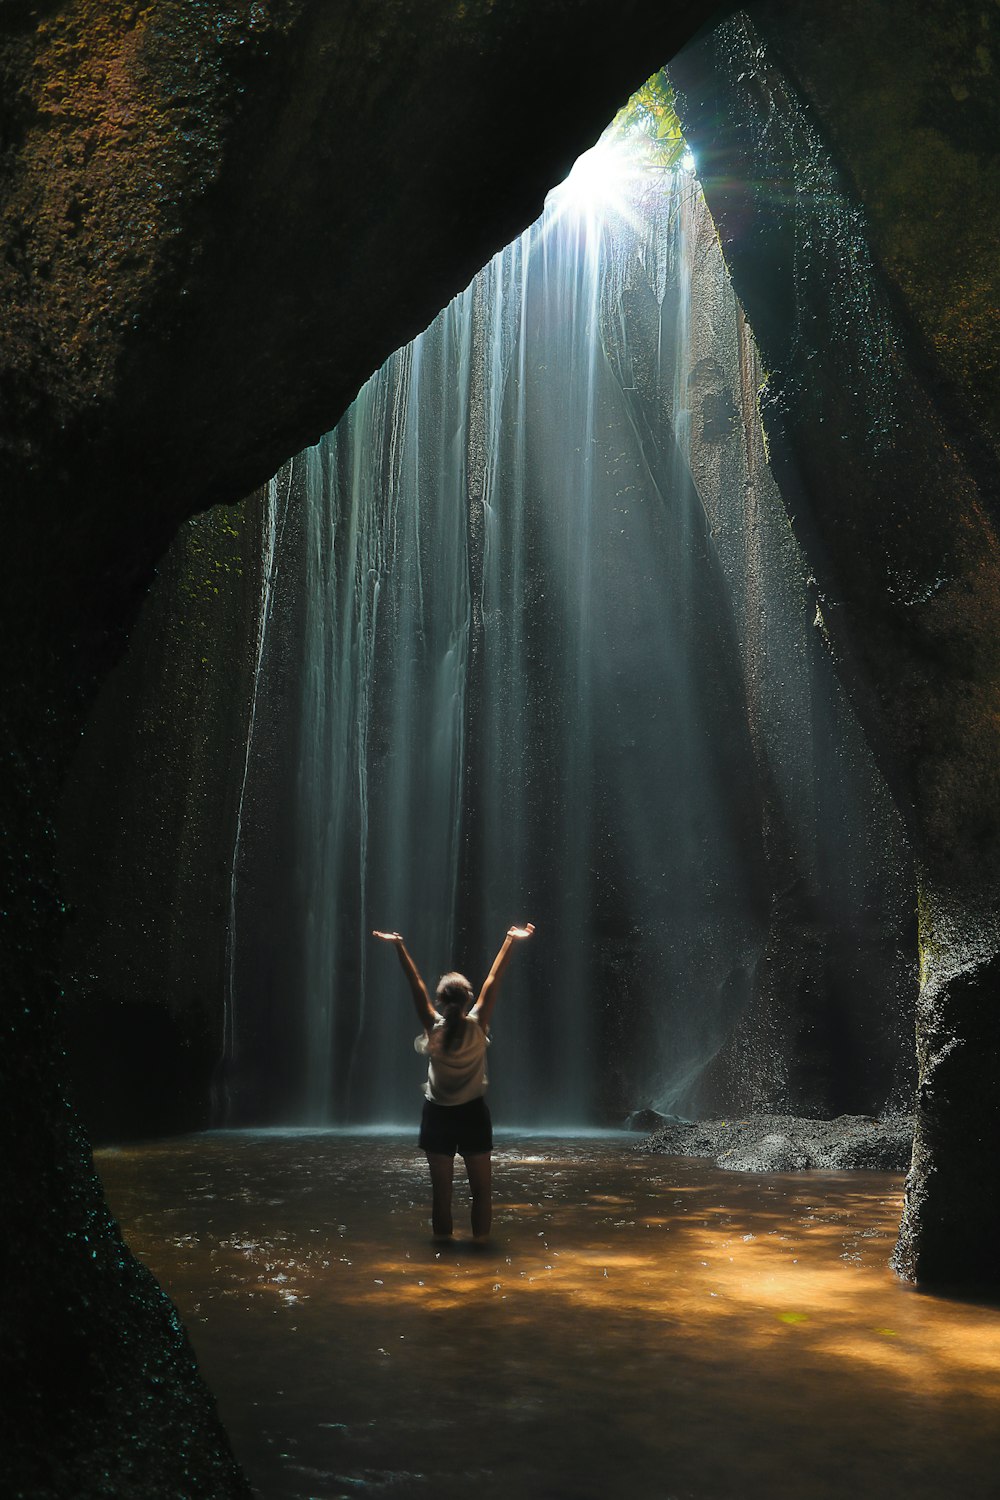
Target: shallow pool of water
[{"x": 640, "y": 1326}]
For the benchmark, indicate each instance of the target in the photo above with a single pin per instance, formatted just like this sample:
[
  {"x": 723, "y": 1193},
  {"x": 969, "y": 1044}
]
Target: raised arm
[
  {"x": 483, "y": 1008},
  {"x": 426, "y": 1013}
]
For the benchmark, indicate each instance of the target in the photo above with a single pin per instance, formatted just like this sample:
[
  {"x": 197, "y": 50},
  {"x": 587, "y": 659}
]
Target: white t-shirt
[{"x": 457, "y": 1076}]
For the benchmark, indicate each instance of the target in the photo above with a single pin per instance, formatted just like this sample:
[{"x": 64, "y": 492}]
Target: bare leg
[
  {"x": 480, "y": 1170},
  {"x": 442, "y": 1173}
]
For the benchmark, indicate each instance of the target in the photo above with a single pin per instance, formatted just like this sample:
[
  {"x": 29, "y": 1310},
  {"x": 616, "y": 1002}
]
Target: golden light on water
[{"x": 644, "y": 1312}]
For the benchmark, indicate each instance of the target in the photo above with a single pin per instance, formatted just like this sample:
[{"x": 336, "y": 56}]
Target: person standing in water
[{"x": 456, "y": 1117}]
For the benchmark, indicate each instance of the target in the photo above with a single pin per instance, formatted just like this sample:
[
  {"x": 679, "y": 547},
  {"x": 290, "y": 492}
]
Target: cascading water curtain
[
  {"x": 517, "y": 661},
  {"x": 381, "y": 770},
  {"x": 276, "y": 504}
]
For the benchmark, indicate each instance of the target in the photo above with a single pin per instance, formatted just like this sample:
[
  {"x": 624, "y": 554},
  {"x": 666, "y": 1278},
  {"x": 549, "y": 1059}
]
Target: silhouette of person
[{"x": 456, "y": 1117}]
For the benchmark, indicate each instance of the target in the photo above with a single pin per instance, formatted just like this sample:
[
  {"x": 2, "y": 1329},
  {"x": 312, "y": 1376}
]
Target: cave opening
[{"x": 528, "y": 634}]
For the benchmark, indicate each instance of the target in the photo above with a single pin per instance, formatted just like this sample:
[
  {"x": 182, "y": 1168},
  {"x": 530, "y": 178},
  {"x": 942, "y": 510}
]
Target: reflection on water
[{"x": 643, "y": 1326}]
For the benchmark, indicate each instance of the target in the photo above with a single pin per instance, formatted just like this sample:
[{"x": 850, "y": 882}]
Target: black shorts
[{"x": 465, "y": 1128}]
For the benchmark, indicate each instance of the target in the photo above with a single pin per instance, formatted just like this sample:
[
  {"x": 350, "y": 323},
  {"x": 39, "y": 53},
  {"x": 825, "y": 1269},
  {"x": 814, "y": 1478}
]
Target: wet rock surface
[
  {"x": 647, "y": 1119},
  {"x": 893, "y": 504},
  {"x": 786, "y": 1143},
  {"x": 930, "y": 208}
]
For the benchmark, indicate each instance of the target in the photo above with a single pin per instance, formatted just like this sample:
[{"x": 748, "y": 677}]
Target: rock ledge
[{"x": 785, "y": 1143}]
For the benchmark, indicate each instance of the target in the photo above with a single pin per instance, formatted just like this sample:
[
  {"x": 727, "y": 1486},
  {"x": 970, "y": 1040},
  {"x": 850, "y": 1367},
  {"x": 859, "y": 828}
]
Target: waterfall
[
  {"x": 530, "y": 677},
  {"x": 381, "y": 765},
  {"x": 275, "y": 513},
  {"x": 513, "y": 643}
]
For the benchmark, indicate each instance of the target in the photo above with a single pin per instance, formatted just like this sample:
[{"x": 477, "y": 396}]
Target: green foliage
[{"x": 650, "y": 116}]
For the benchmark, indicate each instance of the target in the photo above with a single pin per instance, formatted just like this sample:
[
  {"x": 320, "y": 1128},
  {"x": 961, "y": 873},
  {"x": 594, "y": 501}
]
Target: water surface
[{"x": 641, "y": 1326}]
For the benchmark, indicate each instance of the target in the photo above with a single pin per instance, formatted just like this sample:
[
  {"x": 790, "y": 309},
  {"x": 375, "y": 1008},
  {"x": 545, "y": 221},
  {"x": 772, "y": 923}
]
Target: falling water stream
[
  {"x": 521, "y": 695},
  {"x": 275, "y": 516},
  {"x": 543, "y": 649}
]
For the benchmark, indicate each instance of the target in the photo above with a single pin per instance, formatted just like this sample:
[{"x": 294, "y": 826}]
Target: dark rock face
[
  {"x": 827, "y": 1027},
  {"x": 102, "y": 1391},
  {"x": 895, "y": 516},
  {"x": 651, "y": 1119},
  {"x": 951, "y": 1218},
  {"x": 915, "y": 123},
  {"x": 147, "y": 822}
]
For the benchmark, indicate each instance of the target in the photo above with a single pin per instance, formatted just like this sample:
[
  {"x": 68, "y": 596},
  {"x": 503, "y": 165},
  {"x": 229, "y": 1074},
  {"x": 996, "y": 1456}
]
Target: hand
[
  {"x": 388, "y": 937},
  {"x": 521, "y": 932}
]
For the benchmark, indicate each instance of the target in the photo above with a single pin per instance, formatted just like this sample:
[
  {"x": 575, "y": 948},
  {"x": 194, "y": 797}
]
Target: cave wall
[
  {"x": 147, "y": 825},
  {"x": 890, "y": 504},
  {"x": 829, "y": 1025},
  {"x": 178, "y": 852},
  {"x": 912, "y": 114}
]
